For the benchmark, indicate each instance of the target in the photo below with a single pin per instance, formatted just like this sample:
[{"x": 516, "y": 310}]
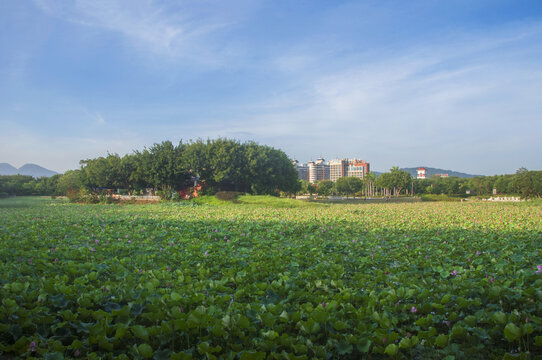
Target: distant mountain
[
  {"x": 27, "y": 169},
  {"x": 432, "y": 171},
  {"x": 7, "y": 169}
]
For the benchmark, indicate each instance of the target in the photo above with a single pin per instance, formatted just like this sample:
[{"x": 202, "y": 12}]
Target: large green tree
[
  {"x": 348, "y": 185},
  {"x": 221, "y": 164},
  {"x": 395, "y": 180},
  {"x": 325, "y": 187}
]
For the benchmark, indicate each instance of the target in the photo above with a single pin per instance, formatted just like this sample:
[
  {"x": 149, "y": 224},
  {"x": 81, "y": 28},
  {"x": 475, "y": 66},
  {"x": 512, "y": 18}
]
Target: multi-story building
[
  {"x": 348, "y": 167},
  {"x": 302, "y": 170},
  {"x": 318, "y": 170},
  {"x": 336, "y": 169},
  {"x": 357, "y": 168},
  {"x": 421, "y": 173}
]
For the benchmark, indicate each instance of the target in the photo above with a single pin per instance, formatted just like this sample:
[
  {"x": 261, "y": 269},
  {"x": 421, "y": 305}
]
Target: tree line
[
  {"x": 524, "y": 183},
  {"x": 165, "y": 168},
  {"x": 220, "y": 165},
  {"x": 392, "y": 183},
  {"x": 229, "y": 165}
]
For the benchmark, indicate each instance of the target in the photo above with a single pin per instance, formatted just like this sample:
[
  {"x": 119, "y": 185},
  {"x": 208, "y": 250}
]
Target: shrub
[{"x": 227, "y": 195}]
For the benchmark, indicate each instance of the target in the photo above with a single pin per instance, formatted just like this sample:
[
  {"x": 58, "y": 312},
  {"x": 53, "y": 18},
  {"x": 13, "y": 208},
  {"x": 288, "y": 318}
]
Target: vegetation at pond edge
[
  {"x": 224, "y": 165},
  {"x": 185, "y": 280}
]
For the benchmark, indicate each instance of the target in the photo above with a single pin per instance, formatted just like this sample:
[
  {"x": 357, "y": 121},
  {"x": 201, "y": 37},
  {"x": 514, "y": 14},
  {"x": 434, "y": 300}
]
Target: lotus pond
[{"x": 177, "y": 281}]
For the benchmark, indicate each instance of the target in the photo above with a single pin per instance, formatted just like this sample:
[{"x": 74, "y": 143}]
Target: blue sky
[{"x": 450, "y": 84}]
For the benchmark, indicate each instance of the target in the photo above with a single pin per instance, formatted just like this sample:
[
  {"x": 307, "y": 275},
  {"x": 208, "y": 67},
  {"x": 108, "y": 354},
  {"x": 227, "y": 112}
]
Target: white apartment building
[
  {"x": 318, "y": 170},
  {"x": 336, "y": 169}
]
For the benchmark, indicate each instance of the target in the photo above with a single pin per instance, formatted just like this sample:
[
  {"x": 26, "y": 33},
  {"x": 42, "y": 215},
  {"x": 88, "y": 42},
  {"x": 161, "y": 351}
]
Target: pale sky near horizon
[{"x": 447, "y": 84}]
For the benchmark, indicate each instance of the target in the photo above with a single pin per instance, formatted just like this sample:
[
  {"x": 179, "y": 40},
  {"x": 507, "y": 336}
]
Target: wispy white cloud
[
  {"x": 410, "y": 109},
  {"x": 448, "y": 99},
  {"x": 178, "y": 29},
  {"x": 95, "y": 118}
]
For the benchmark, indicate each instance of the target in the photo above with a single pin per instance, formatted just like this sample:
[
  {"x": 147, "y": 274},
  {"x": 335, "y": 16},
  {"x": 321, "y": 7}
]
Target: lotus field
[{"x": 177, "y": 281}]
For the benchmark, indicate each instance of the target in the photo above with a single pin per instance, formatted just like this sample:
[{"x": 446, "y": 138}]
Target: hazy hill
[
  {"x": 432, "y": 171},
  {"x": 27, "y": 169},
  {"x": 7, "y": 169}
]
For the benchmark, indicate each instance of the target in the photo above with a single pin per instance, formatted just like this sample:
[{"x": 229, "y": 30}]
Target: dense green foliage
[
  {"x": 348, "y": 185},
  {"x": 176, "y": 281},
  {"x": 395, "y": 180},
  {"x": 524, "y": 183},
  {"x": 221, "y": 164},
  {"x": 27, "y": 185}
]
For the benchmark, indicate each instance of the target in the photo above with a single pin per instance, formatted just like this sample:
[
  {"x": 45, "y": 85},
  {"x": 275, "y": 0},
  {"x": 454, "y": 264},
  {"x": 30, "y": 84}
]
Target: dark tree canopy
[
  {"x": 222, "y": 164},
  {"x": 348, "y": 185}
]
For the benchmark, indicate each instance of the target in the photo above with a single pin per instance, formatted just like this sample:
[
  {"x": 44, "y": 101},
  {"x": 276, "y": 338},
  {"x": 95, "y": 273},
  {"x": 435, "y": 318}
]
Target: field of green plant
[{"x": 240, "y": 281}]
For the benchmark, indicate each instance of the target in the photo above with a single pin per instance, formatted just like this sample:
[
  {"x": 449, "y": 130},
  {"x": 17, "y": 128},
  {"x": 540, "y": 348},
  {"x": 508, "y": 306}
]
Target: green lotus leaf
[
  {"x": 140, "y": 332},
  {"x": 391, "y": 350},
  {"x": 54, "y": 356},
  {"x": 441, "y": 340},
  {"x": 512, "y": 332},
  {"x": 145, "y": 350},
  {"x": 252, "y": 355},
  {"x": 175, "y": 296},
  {"x": 405, "y": 343},
  {"x": 499, "y": 317}
]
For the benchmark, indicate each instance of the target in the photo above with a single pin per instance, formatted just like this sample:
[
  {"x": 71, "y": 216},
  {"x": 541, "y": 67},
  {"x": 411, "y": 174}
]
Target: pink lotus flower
[{"x": 454, "y": 273}]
